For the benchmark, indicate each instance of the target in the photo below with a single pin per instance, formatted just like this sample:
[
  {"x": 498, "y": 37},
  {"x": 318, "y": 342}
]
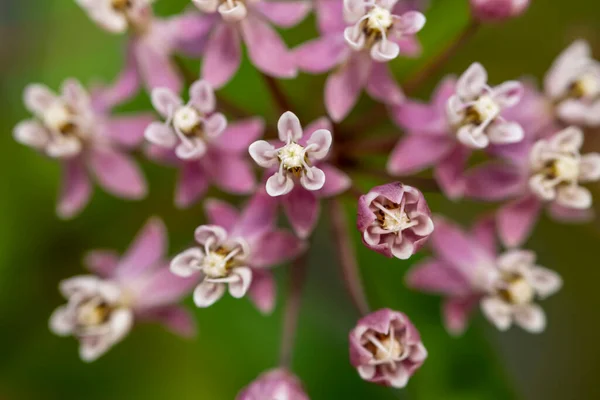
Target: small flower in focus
[
  {"x": 294, "y": 160},
  {"x": 276, "y": 384},
  {"x": 498, "y": 10},
  {"x": 386, "y": 348},
  {"x": 394, "y": 220},
  {"x": 102, "y": 308},
  {"x": 573, "y": 85},
  {"x": 234, "y": 250}
]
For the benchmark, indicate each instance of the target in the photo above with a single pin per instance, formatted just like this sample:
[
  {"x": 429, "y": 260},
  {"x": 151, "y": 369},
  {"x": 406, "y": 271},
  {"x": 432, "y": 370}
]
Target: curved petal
[
  {"x": 531, "y": 318},
  {"x": 576, "y": 197},
  {"x": 76, "y": 189},
  {"x": 207, "y": 293},
  {"x": 276, "y": 247},
  {"x": 214, "y": 126},
  {"x": 336, "y": 183},
  {"x": 382, "y": 86},
  {"x": 321, "y": 54},
  {"x": 157, "y": 70},
  {"x": 384, "y": 51},
  {"x": 239, "y": 287},
  {"x": 414, "y": 153},
  {"x": 505, "y": 133},
  {"x": 497, "y": 312},
  {"x": 187, "y": 263},
  {"x": 192, "y": 149},
  {"x": 319, "y": 143},
  {"x": 165, "y": 101},
  {"x": 202, "y": 96},
  {"x": 545, "y": 281},
  {"x": 161, "y": 134},
  {"x": 146, "y": 251},
  {"x": 434, "y": 276},
  {"x": 222, "y": 56},
  {"x": 262, "y": 291},
  {"x": 284, "y": 13},
  {"x": 279, "y": 184},
  {"x": 302, "y": 210},
  {"x": 589, "y": 167},
  {"x": 191, "y": 184},
  {"x": 118, "y": 173},
  {"x": 31, "y": 133},
  {"x": 343, "y": 87},
  {"x": 263, "y": 153},
  {"x": 221, "y": 213},
  {"x": 37, "y": 98},
  {"x": 516, "y": 220},
  {"x": 210, "y": 234},
  {"x": 239, "y": 135},
  {"x": 128, "y": 130},
  {"x": 472, "y": 81},
  {"x": 313, "y": 179},
  {"x": 289, "y": 128},
  {"x": 508, "y": 94},
  {"x": 409, "y": 23}
]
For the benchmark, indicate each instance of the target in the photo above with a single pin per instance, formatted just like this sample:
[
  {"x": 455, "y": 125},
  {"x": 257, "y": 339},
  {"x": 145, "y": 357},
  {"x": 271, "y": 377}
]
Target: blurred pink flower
[
  {"x": 394, "y": 220},
  {"x": 463, "y": 115},
  {"x": 136, "y": 287},
  {"x": 386, "y": 348},
  {"x": 360, "y": 37},
  {"x": 236, "y": 251},
  {"x": 573, "y": 84},
  {"x": 151, "y": 44},
  {"x": 67, "y": 127},
  {"x": 229, "y": 21},
  {"x": 498, "y": 10},
  {"x": 277, "y": 384},
  {"x": 296, "y": 159}
]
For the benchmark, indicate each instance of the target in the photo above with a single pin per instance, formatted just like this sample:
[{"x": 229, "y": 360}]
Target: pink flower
[
  {"x": 301, "y": 206},
  {"x": 394, "y": 220},
  {"x": 386, "y": 348},
  {"x": 573, "y": 84},
  {"x": 235, "y": 252},
  {"x": 230, "y": 21},
  {"x": 468, "y": 272},
  {"x": 353, "y": 37},
  {"x": 498, "y": 10},
  {"x": 277, "y": 384},
  {"x": 102, "y": 308},
  {"x": 67, "y": 127},
  {"x": 295, "y": 159},
  {"x": 463, "y": 115},
  {"x": 198, "y": 140}
]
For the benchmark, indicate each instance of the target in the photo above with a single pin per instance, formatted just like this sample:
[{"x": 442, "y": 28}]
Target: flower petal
[
  {"x": 434, "y": 276},
  {"x": 276, "y": 247},
  {"x": 505, "y": 133},
  {"x": 239, "y": 288},
  {"x": 409, "y": 23},
  {"x": 382, "y": 85},
  {"x": 284, "y": 13},
  {"x": 231, "y": 172},
  {"x": 497, "y": 312},
  {"x": 221, "y": 213},
  {"x": 262, "y": 291},
  {"x": 128, "y": 130},
  {"x": 289, "y": 128},
  {"x": 322, "y": 54},
  {"x": 508, "y": 94},
  {"x": 589, "y": 168},
  {"x": 156, "y": 69},
  {"x": 207, "y": 293},
  {"x": 177, "y": 319},
  {"x": 449, "y": 172},
  {"x": 185, "y": 264},
  {"x": 384, "y": 51},
  {"x": 222, "y": 56},
  {"x": 118, "y": 173},
  {"x": 545, "y": 281},
  {"x": 576, "y": 197},
  {"x": 336, "y": 183},
  {"x": 146, "y": 251},
  {"x": 302, "y": 210},
  {"x": 343, "y": 86},
  {"x": 192, "y": 184},
  {"x": 312, "y": 179},
  {"x": 31, "y": 133},
  {"x": 457, "y": 312},
  {"x": 494, "y": 181},
  {"x": 472, "y": 81},
  {"x": 165, "y": 101},
  {"x": 263, "y": 153},
  {"x": 102, "y": 262},
  {"x": 516, "y": 220},
  {"x": 38, "y": 98},
  {"x": 160, "y": 134},
  {"x": 192, "y": 149},
  {"x": 239, "y": 135},
  {"x": 320, "y": 143},
  {"x": 76, "y": 189},
  {"x": 202, "y": 97},
  {"x": 279, "y": 184},
  {"x": 414, "y": 153},
  {"x": 531, "y": 318}
]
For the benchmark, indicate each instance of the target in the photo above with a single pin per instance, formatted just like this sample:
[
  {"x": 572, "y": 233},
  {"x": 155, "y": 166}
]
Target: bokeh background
[{"x": 46, "y": 41}]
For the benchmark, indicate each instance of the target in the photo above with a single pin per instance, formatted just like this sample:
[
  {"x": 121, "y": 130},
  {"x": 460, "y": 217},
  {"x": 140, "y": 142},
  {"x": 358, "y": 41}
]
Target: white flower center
[
  {"x": 121, "y": 5},
  {"x": 292, "y": 156},
  {"x": 517, "y": 291},
  {"x": 57, "y": 117},
  {"x": 566, "y": 168},
  {"x": 390, "y": 349},
  {"x": 215, "y": 264},
  {"x": 379, "y": 18},
  {"x": 186, "y": 119},
  {"x": 588, "y": 85},
  {"x": 94, "y": 312},
  {"x": 486, "y": 108},
  {"x": 393, "y": 218}
]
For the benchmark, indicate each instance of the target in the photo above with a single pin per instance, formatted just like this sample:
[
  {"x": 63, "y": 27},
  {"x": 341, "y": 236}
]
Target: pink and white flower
[
  {"x": 573, "y": 85},
  {"x": 277, "y": 384},
  {"x": 103, "y": 308},
  {"x": 359, "y": 37},
  {"x": 69, "y": 128},
  {"x": 386, "y": 348},
  {"x": 394, "y": 220},
  {"x": 235, "y": 252},
  {"x": 295, "y": 159},
  {"x": 230, "y": 21}
]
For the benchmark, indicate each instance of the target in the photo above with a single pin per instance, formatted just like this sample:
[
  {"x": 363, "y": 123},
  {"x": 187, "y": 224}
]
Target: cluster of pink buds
[{"x": 508, "y": 142}]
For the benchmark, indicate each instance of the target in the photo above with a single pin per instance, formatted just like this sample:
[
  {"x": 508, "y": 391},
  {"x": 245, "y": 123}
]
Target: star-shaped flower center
[
  {"x": 186, "y": 119},
  {"x": 93, "y": 312},
  {"x": 379, "y": 19},
  {"x": 485, "y": 108},
  {"x": 516, "y": 290},
  {"x": 392, "y": 217},
  {"x": 292, "y": 157},
  {"x": 58, "y": 118}
]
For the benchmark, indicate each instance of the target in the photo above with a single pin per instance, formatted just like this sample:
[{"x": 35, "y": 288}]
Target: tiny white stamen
[
  {"x": 379, "y": 19},
  {"x": 589, "y": 85},
  {"x": 292, "y": 156},
  {"x": 57, "y": 117},
  {"x": 186, "y": 119},
  {"x": 486, "y": 107},
  {"x": 395, "y": 219}
]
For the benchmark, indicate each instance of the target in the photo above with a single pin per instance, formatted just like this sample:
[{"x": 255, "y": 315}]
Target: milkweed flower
[
  {"x": 468, "y": 272},
  {"x": 360, "y": 37},
  {"x": 385, "y": 348},
  {"x": 103, "y": 308},
  {"x": 87, "y": 142},
  {"x": 229, "y": 22},
  {"x": 235, "y": 249},
  {"x": 394, "y": 220},
  {"x": 276, "y": 384},
  {"x": 498, "y": 10},
  {"x": 295, "y": 159},
  {"x": 573, "y": 85},
  {"x": 464, "y": 115}
]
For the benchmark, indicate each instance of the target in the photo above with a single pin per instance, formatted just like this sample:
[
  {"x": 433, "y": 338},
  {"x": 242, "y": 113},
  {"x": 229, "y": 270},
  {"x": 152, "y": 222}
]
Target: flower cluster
[{"x": 506, "y": 142}]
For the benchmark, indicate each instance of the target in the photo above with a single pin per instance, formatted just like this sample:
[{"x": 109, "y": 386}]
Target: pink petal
[
  {"x": 410, "y": 47},
  {"x": 414, "y": 153},
  {"x": 279, "y": 184},
  {"x": 434, "y": 276},
  {"x": 330, "y": 16},
  {"x": 409, "y": 23},
  {"x": 494, "y": 181},
  {"x": 382, "y": 85},
  {"x": 449, "y": 172},
  {"x": 320, "y": 143},
  {"x": 206, "y": 294},
  {"x": 220, "y": 213},
  {"x": 383, "y": 52},
  {"x": 289, "y": 128},
  {"x": 165, "y": 101},
  {"x": 231, "y": 172},
  {"x": 262, "y": 291},
  {"x": 472, "y": 81},
  {"x": 117, "y": 173},
  {"x": 102, "y": 262},
  {"x": 128, "y": 131},
  {"x": 284, "y": 13},
  {"x": 163, "y": 288},
  {"x": 146, "y": 251},
  {"x": 343, "y": 87},
  {"x": 322, "y": 54},
  {"x": 266, "y": 50},
  {"x": 505, "y": 133},
  {"x": 76, "y": 189},
  {"x": 275, "y": 248},
  {"x": 313, "y": 179},
  {"x": 75, "y": 95},
  {"x": 191, "y": 31},
  {"x": 258, "y": 215},
  {"x": 570, "y": 215},
  {"x": 222, "y": 56},
  {"x": 484, "y": 233},
  {"x": 191, "y": 185},
  {"x": 202, "y": 97},
  {"x": 161, "y": 135},
  {"x": 457, "y": 312},
  {"x": 156, "y": 69},
  {"x": 517, "y": 219},
  {"x": 508, "y": 94},
  {"x": 302, "y": 210},
  {"x": 239, "y": 135},
  {"x": 336, "y": 181},
  {"x": 177, "y": 319}
]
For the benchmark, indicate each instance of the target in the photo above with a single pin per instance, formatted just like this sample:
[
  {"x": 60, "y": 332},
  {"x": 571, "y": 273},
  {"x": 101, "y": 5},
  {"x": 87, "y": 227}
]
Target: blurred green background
[{"x": 46, "y": 41}]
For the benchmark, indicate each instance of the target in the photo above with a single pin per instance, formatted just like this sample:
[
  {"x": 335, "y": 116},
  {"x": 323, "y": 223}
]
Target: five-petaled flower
[
  {"x": 394, "y": 220},
  {"x": 386, "y": 348},
  {"x": 277, "y": 384},
  {"x": 102, "y": 308},
  {"x": 69, "y": 127},
  {"x": 295, "y": 159},
  {"x": 573, "y": 85},
  {"x": 235, "y": 252}
]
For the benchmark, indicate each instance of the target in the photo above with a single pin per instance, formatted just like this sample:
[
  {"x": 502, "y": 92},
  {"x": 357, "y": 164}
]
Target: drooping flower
[
  {"x": 277, "y": 384},
  {"x": 498, "y": 10},
  {"x": 360, "y": 36},
  {"x": 151, "y": 44},
  {"x": 236, "y": 251},
  {"x": 467, "y": 271},
  {"x": 464, "y": 115},
  {"x": 301, "y": 206},
  {"x": 231, "y": 21},
  {"x": 102, "y": 308},
  {"x": 68, "y": 127},
  {"x": 573, "y": 85},
  {"x": 295, "y": 159},
  {"x": 386, "y": 348},
  {"x": 394, "y": 220}
]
